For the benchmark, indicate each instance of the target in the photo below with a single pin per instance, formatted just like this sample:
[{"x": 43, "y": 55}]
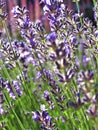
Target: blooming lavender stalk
[
  {"x": 63, "y": 42},
  {"x": 24, "y": 54},
  {"x": 5, "y": 85},
  {"x": 17, "y": 87},
  {"x": 1, "y": 102},
  {"x": 44, "y": 119},
  {"x": 8, "y": 87},
  {"x": 1, "y": 97},
  {"x": 86, "y": 84},
  {"x": 62, "y": 63},
  {"x": 32, "y": 33},
  {"x": 49, "y": 99}
]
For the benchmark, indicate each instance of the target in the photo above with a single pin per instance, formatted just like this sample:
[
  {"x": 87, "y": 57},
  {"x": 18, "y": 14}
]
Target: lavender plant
[{"x": 48, "y": 80}]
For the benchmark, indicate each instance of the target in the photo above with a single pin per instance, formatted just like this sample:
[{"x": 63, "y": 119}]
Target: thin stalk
[
  {"x": 85, "y": 119},
  {"x": 78, "y": 7},
  {"x": 82, "y": 110},
  {"x": 18, "y": 120},
  {"x": 23, "y": 82},
  {"x": 20, "y": 103},
  {"x": 96, "y": 125}
]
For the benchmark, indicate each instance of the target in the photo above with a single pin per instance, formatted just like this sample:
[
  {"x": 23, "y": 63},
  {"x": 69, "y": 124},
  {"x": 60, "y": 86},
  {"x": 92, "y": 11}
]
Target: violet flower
[
  {"x": 3, "y": 14},
  {"x": 2, "y": 111},
  {"x": 2, "y": 4},
  {"x": 96, "y": 11},
  {"x": 49, "y": 99},
  {"x": 17, "y": 88},
  {"x": 8, "y": 87},
  {"x": 44, "y": 119}
]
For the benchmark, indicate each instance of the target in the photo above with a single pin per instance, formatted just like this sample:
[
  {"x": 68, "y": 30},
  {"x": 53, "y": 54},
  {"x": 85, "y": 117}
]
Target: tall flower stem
[
  {"x": 18, "y": 120},
  {"x": 81, "y": 113},
  {"x": 78, "y": 8},
  {"x": 96, "y": 124},
  {"x": 9, "y": 39},
  {"x": 5, "y": 72}
]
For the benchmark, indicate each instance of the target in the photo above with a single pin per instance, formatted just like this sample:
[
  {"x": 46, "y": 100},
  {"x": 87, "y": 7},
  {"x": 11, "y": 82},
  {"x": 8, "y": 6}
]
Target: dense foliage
[{"x": 49, "y": 80}]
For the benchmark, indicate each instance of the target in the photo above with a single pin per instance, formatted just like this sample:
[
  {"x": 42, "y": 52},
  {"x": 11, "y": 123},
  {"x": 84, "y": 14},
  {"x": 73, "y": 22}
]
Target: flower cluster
[
  {"x": 44, "y": 119},
  {"x": 69, "y": 47},
  {"x": 57, "y": 69},
  {"x": 2, "y": 111},
  {"x": 86, "y": 88},
  {"x": 11, "y": 88},
  {"x": 3, "y": 14}
]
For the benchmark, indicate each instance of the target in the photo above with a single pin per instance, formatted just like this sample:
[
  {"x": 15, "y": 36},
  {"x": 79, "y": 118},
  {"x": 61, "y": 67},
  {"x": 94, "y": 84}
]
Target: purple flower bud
[
  {"x": 42, "y": 107},
  {"x": 95, "y": 98},
  {"x": 92, "y": 110},
  {"x": 70, "y": 73},
  {"x": 1, "y": 81},
  {"x": 26, "y": 23},
  {"x": 2, "y": 4},
  {"x": 17, "y": 87},
  {"x": 52, "y": 37},
  {"x": 85, "y": 60},
  {"x": 48, "y": 2},
  {"x": 46, "y": 93},
  {"x": 1, "y": 109},
  {"x": 74, "y": 40},
  {"x": 36, "y": 116},
  {"x": 48, "y": 119},
  {"x": 43, "y": 118},
  {"x": 44, "y": 114},
  {"x": 51, "y": 5},
  {"x": 15, "y": 11},
  {"x": 3, "y": 15},
  {"x": 63, "y": 6},
  {"x": 1, "y": 98},
  {"x": 96, "y": 34},
  {"x": 33, "y": 43},
  {"x": 8, "y": 87}
]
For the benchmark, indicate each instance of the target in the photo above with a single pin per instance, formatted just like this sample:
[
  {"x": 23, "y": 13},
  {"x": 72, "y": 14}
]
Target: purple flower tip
[
  {"x": 35, "y": 116},
  {"x": 52, "y": 37}
]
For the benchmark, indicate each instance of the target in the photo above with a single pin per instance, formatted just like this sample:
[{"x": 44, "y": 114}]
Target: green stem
[
  {"x": 94, "y": 2},
  {"x": 81, "y": 113},
  {"x": 6, "y": 73},
  {"x": 77, "y": 4},
  {"x": 96, "y": 124},
  {"x": 18, "y": 120}
]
